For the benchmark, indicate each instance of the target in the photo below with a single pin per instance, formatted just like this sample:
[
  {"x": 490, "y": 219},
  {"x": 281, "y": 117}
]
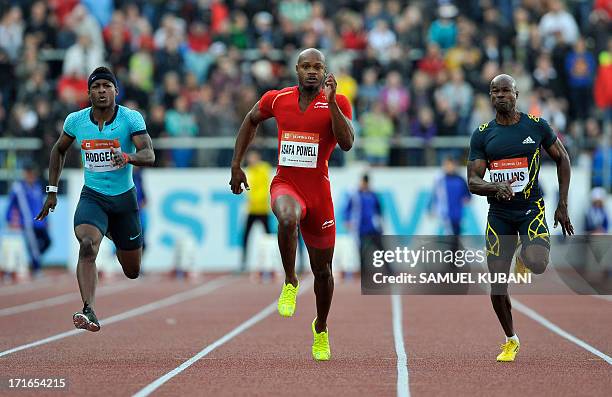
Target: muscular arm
[
  {"x": 558, "y": 153},
  {"x": 246, "y": 133},
  {"x": 477, "y": 185},
  {"x": 341, "y": 127},
  {"x": 58, "y": 157},
  {"x": 56, "y": 164},
  {"x": 144, "y": 156}
]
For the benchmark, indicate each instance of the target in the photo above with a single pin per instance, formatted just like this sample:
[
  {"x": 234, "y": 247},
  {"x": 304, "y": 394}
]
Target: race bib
[
  {"x": 98, "y": 156},
  {"x": 506, "y": 169},
  {"x": 299, "y": 149}
]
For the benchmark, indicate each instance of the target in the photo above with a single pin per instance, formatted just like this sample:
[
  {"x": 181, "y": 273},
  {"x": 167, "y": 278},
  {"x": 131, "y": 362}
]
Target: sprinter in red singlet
[{"x": 311, "y": 120}]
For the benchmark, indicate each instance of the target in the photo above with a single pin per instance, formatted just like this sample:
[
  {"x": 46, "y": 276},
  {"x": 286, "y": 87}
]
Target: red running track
[{"x": 451, "y": 343}]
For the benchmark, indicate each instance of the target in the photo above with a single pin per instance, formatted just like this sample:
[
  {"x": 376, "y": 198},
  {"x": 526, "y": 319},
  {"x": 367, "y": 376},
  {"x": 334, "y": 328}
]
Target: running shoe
[
  {"x": 320, "y": 346},
  {"x": 509, "y": 351},
  {"x": 286, "y": 300},
  {"x": 519, "y": 266},
  {"x": 86, "y": 320}
]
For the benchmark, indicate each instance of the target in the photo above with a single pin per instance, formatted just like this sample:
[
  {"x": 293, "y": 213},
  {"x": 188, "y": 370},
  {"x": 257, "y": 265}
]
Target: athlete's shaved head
[
  {"x": 311, "y": 70},
  {"x": 504, "y": 79},
  {"x": 309, "y": 53},
  {"x": 503, "y": 93}
]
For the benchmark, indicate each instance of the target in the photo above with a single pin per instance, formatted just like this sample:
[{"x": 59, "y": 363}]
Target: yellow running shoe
[
  {"x": 320, "y": 346},
  {"x": 286, "y": 300},
  {"x": 509, "y": 351},
  {"x": 519, "y": 265}
]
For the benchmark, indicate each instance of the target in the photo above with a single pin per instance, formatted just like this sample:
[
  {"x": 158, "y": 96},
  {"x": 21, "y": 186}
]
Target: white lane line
[
  {"x": 603, "y": 297},
  {"x": 61, "y": 299},
  {"x": 160, "y": 304},
  {"x": 403, "y": 383},
  {"x": 40, "y": 283},
  {"x": 532, "y": 314},
  {"x": 271, "y": 308}
]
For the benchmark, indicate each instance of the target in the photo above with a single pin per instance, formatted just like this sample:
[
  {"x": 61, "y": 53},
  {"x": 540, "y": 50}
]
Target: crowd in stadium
[{"x": 411, "y": 69}]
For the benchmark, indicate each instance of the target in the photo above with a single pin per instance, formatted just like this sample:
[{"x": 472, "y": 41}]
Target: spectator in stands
[
  {"x": 557, "y": 20},
  {"x": 41, "y": 26},
  {"x": 82, "y": 58},
  {"x": 545, "y": 76},
  {"x": 450, "y": 195},
  {"x": 553, "y": 112},
  {"x": 465, "y": 53},
  {"x": 603, "y": 82},
  {"x": 82, "y": 23},
  {"x": 181, "y": 123},
  {"x": 601, "y": 167},
  {"x": 580, "y": 68},
  {"x": 258, "y": 198},
  {"x": 443, "y": 31},
  {"x": 483, "y": 112},
  {"x": 363, "y": 218},
  {"x": 236, "y": 49},
  {"x": 168, "y": 59},
  {"x": 433, "y": 61},
  {"x": 36, "y": 86},
  {"x": 170, "y": 27},
  {"x": 459, "y": 95},
  {"x": 381, "y": 38},
  {"x": 368, "y": 91},
  {"x": 421, "y": 92},
  {"x": 374, "y": 11},
  {"x": 141, "y": 67},
  {"x": 395, "y": 97},
  {"x": 423, "y": 127},
  {"x": 25, "y": 201},
  {"x": 596, "y": 218},
  {"x": 377, "y": 128},
  {"x": 72, "y": 89},
  {"x": 11, "y": 32},
  {"x": 409, "y": 27}
]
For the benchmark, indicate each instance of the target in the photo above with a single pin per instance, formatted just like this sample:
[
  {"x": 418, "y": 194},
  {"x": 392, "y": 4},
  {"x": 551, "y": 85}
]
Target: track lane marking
[
  {"x": 151, "y": 387},
  {"x": 60, "y": 299},
  {"x": 535, "y": 316},
  {"x": 159, "y": 304},
  {"x": 403, "y": 383},
  {"x": 603, "y": 297},
  {"x": 39, "y": 283}
]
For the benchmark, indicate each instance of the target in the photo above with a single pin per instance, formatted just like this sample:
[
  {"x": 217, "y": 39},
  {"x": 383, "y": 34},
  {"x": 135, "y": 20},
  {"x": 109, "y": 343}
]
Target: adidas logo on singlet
[{"x": 528, "y": 140}]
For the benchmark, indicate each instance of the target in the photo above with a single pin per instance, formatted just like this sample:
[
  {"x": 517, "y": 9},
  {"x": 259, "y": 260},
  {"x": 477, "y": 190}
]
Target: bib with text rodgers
[{"x": 98, "y": 155}]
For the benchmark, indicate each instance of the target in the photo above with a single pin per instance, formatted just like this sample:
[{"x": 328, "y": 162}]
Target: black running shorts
[
  {"x": 503, "y": 225},
  {"x": 116, "y": 216}
]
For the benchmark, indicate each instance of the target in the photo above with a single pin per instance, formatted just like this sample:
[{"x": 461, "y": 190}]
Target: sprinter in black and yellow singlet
[{"x": 510, "y": 147}]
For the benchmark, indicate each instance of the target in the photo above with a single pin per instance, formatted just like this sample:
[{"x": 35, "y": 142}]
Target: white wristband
[{"x": 51, "y": 189}]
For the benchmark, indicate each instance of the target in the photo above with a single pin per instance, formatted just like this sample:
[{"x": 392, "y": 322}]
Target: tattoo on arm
[{"x": 144, "y": 156}]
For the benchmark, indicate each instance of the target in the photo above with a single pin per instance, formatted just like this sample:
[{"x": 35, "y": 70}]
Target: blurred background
[{"x": 416, "y": 72}]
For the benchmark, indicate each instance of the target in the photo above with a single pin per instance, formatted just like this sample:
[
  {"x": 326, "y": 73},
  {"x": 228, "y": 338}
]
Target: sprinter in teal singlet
[
  {"x": 510, "y": 147},
  {"x": 111, "y": 138}
]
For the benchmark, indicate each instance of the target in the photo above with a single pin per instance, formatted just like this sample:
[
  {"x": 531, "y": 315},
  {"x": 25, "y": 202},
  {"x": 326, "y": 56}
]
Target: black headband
[{"x": 101, "y": 75}]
